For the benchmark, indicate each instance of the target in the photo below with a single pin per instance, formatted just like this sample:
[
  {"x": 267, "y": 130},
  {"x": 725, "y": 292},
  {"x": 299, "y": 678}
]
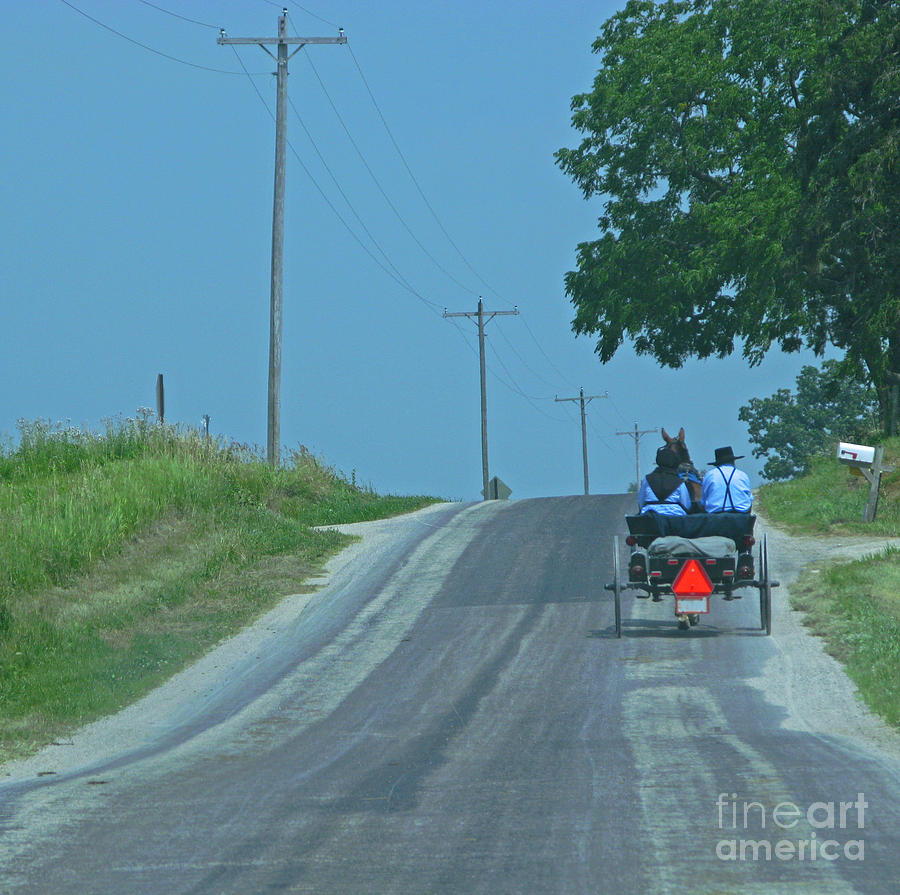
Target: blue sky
[{"x": 136, "y": 240}]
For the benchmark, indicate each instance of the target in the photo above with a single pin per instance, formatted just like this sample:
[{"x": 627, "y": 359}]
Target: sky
[{"x": 137, "y": 228}]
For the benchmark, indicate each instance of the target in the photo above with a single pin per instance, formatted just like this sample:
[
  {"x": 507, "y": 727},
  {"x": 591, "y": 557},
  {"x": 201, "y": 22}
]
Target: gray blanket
[{"x": 672, "y": 545}]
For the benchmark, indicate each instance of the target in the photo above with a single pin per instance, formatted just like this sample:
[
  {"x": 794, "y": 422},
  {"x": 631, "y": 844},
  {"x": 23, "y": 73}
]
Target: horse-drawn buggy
[{"x": 693, "y": 558}]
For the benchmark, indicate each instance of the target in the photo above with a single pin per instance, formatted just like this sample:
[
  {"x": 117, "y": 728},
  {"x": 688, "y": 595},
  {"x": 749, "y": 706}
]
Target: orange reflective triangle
[{"x": 692, "y": 581}]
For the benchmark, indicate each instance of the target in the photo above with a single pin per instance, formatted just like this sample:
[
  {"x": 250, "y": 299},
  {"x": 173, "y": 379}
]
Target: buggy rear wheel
[
  {"x": 617, "y": 588},
  {"x": 765, "y": 589}
]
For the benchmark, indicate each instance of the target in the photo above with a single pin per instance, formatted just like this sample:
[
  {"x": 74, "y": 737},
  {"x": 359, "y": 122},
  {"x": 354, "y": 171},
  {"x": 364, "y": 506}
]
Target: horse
[{"x": 686, "y": 469}]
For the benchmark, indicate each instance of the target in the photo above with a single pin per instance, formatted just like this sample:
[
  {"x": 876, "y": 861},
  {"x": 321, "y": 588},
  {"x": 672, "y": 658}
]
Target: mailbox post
[{"x": 869, "y": 462}]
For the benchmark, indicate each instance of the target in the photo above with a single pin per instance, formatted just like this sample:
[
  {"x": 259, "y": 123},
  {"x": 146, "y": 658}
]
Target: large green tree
[{"x": 746, "y": 154}]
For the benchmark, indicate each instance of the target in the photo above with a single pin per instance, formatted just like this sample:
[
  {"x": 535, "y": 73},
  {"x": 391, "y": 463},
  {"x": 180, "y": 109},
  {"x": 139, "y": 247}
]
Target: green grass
[
  {"x": 854, "y": 607},
  {"x": 125, "y": 555},
  {"x": 831, "y": 500}
]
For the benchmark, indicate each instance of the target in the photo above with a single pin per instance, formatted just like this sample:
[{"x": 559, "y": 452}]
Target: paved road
[{"x": 457, "y": 716}]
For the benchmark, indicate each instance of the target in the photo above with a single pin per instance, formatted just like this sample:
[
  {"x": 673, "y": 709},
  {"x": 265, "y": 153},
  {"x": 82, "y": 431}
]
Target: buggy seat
[{"x": 649, "y": 526}]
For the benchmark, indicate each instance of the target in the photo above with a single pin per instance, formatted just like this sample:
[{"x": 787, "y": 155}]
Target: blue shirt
[
  {"x": 676, "y": 504},
  {"x": 727, "y": 490}
]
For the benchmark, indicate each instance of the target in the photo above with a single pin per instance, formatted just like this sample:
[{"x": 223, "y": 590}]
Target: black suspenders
[{"x": 728, "y": 496}]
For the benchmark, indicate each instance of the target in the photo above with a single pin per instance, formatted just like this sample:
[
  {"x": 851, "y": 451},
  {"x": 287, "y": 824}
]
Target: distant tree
[
  {"x": 788, "y": 428},
  {"x": 747, "y": 155}
]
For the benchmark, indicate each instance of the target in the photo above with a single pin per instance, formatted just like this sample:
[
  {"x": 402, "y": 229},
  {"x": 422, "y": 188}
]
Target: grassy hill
[
  {"x": 127, "y": 554},
  {"x": 854, "y": 606}
]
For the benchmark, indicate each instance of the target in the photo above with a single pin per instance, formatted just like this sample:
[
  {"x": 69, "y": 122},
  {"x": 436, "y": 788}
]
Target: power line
[
  {"x": 513, "y": 386},
  {"x": 381, "y": 189},
  {"x": 395, "y": 274},
  {"x": 602, "y": 436},
  {"x": 355, "y": 145},
  {"x": 430, "y": 304},
  {"x": 309, "y": 12},
  {"x": 177, "y": 15},
  {"x": 413, "y": 176},
  {"x": 541, "y": 349},
  {"x": 523, "y": 361},
  {"x": 340, "y": 189},
  {"x": 137, "y": 43}
]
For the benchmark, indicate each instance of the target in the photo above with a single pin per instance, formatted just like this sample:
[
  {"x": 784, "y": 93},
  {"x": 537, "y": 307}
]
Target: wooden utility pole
[
  {"x": 273, "y": 428},
  {"x": 582, "y": 398},
  {"x": 479, "y": 315},
  {"x": 160, "y": 398},
  {"x": 636, "y": 435}
]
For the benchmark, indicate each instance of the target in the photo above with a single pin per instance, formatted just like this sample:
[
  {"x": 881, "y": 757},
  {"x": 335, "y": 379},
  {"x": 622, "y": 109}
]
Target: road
[{"x": 452, "y": 713}]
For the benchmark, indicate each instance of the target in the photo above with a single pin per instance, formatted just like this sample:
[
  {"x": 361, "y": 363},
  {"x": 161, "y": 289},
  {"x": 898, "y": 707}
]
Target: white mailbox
[{"x": 855, "y": 454}]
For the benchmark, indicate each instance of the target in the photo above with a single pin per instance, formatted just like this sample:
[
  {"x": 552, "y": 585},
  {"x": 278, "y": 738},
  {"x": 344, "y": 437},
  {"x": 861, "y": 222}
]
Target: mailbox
[{"x": 855, "y": 454}]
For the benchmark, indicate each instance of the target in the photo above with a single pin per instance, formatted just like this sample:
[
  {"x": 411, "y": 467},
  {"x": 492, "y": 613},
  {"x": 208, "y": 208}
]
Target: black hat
[
  {"x": 666, "y": 457},
  {"x": 725, "y": 456}
]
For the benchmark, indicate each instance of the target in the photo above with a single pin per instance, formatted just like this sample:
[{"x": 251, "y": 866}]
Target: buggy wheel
[
  {"x": 617, "y": 589},
  {"x": 765, "y": 589}
]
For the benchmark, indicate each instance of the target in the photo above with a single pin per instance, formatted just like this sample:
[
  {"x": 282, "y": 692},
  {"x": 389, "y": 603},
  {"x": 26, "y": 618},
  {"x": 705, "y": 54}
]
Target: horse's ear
[
  {"x": 665, "y": 436},
  {"x": 681, "y": 434}
]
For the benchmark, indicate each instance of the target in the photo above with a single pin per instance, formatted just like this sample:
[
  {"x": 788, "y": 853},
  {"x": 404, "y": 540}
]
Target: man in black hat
[{"x": 726, "y": 489}]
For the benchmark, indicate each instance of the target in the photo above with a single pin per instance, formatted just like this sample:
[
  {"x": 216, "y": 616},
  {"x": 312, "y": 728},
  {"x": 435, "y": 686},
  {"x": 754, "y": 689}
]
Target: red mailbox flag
[{"x": 692, "y": 581}]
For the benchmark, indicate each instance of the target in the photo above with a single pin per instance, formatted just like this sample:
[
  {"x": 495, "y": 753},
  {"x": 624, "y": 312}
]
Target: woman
[{"x": 663, "y": 491}]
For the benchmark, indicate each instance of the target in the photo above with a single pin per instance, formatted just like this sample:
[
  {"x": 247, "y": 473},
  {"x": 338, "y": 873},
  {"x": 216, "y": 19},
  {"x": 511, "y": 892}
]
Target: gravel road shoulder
[{"x": 802, "y": 678}]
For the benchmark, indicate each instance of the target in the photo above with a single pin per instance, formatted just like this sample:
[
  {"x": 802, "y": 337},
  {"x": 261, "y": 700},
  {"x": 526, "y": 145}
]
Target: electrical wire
[
  {"x": 412, "y": 176},
  {"x": 435, "y": 308},
  {"x": 621, "y": 445},
  {"x": 427, "y": 204},
  {"x": 430, "y": 208},
  {"x": 541, "y": 348},
  {"x": 137, "y": 43},
  {"x": 377, "y": 183},
  {"x": 513, "y": 386},
  {"x": 525, "y": 363},
  {"x": 391, "y": 270},
  {"x": 309, "y": 12},
  {"x": 177, "y": 15},
  {"x": 346, "y": 199},
  {"x": 621, "y": 415}
]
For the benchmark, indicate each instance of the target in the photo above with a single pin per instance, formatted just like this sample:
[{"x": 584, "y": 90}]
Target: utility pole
[
  {"x": 636, "y": 435},
  {"x": 479, "y": 315},
  {"x": 273, "y": 428},
  {"x": 582, "y": 398}
]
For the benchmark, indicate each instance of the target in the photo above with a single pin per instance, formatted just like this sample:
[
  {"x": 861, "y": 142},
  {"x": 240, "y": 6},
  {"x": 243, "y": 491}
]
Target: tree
[
  {"x": 746, "y": 152},
  {"x": 789, "y": 429}
]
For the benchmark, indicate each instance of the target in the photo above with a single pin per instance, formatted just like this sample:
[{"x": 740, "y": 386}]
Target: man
[
  {"x": 726, "y": 489},
  {"x": 663, "y": 491}
]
